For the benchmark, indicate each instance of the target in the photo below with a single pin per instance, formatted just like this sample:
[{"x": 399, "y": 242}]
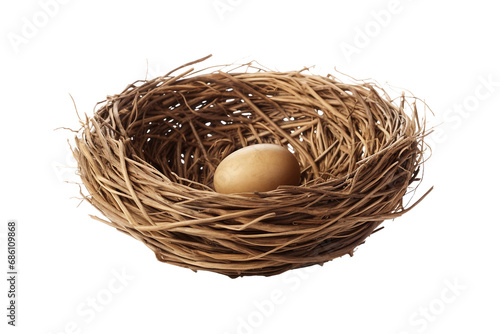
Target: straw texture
[{"x": 148, "y": 155}]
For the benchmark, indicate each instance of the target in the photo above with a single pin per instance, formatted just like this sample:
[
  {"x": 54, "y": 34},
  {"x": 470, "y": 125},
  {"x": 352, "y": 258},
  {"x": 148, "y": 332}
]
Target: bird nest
[{"x": 148, "y": 155}]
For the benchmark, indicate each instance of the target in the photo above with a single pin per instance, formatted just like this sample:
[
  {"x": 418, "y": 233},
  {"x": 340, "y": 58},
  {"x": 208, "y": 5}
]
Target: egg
[{"x": 256, "y": 168}]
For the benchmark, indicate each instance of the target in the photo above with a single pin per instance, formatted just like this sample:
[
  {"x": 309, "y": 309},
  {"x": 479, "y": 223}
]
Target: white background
[{"x": 433, "y": 270}]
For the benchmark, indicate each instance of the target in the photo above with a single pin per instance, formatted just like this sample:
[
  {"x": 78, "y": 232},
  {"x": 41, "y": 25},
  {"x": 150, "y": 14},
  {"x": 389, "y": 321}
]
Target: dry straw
[{"x": 148, "y": 155}]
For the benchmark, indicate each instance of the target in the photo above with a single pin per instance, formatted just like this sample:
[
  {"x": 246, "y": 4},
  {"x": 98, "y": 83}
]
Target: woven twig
[{"x": 148, "y": 155}]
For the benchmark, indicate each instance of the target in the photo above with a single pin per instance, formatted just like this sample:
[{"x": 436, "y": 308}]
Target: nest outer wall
[{"x": 148, "y": 155}]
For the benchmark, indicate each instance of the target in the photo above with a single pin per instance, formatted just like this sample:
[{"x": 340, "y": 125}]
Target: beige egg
[{"x": 256, "y": 168}]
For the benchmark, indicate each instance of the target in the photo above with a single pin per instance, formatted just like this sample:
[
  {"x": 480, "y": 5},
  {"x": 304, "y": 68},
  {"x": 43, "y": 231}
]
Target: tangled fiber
[{"x": 148, "y": 155}]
